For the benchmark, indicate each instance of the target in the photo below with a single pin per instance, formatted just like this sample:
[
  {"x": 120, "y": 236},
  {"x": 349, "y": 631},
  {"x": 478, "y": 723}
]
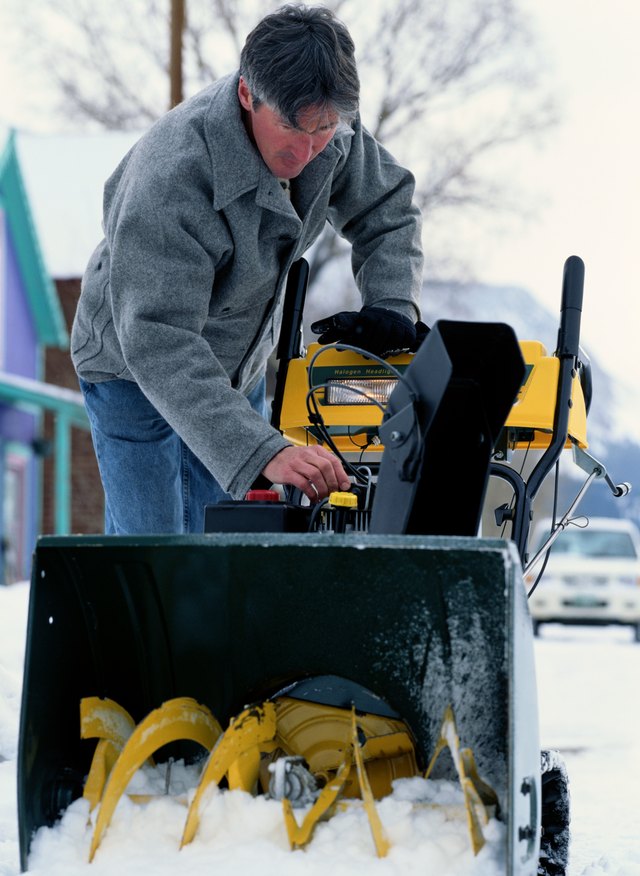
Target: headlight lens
[{"x": 360, "y": 391}]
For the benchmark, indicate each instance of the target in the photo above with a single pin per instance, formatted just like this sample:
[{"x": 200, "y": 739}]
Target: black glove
[
  {"x": 377, "y": 330},
  {"x": 422, "y": 330}
]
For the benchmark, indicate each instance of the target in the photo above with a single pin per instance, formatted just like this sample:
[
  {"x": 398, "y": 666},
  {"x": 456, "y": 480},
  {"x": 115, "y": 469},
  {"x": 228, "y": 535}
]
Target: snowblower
[{"x": 319, "y": 653}]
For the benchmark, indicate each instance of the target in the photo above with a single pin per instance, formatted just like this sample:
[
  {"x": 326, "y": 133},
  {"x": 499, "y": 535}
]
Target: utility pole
[{"x": 175, "y": 61}]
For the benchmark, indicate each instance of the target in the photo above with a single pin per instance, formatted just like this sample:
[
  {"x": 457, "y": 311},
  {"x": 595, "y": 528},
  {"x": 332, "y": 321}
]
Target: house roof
[{"x": 40, "y": 290}]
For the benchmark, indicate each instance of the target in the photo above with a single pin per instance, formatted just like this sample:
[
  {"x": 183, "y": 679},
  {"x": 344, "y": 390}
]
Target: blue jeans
[{"x": 152, "y": 482}]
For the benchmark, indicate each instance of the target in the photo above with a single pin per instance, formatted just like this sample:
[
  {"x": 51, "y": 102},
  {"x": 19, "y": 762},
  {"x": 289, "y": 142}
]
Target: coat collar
[{"x": 237, "y": 166}]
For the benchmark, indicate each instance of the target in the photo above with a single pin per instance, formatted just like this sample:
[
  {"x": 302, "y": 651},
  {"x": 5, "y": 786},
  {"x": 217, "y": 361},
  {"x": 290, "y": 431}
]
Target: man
[{"x": 182, "y": 301}]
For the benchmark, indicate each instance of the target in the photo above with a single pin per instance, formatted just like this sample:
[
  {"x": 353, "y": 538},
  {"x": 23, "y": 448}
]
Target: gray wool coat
[{"x": 184, "y": 294}]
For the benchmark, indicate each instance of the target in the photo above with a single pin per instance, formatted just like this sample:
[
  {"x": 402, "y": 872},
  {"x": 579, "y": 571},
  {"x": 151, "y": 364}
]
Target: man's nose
[{"x": 303, "y": 147}]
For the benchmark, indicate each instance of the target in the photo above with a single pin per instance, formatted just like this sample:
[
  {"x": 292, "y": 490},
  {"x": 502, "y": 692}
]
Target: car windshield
[{"x": 594, "y": 543}]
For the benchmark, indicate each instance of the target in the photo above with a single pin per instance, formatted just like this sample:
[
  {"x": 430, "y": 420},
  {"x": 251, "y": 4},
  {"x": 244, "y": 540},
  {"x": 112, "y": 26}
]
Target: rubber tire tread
[{"x": 555, "y": 820}]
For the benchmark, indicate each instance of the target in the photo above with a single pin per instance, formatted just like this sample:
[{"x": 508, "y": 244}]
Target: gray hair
[{"x": 300, "y": 57}]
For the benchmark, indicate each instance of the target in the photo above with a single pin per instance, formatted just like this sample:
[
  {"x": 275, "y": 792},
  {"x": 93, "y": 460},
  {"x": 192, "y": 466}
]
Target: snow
[{"x": 587, "y": 680}]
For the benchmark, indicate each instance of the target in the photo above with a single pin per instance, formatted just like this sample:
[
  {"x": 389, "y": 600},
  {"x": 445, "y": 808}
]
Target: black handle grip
[
  {"x": 571, "y": 308},
  {"x": 295, "y": 294}
]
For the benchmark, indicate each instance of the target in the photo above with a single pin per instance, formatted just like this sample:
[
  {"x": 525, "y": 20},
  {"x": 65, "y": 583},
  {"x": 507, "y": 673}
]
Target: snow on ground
[{"x": 589, "y": 709}]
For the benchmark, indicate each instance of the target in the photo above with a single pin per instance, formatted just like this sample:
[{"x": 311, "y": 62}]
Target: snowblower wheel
[{"x": 555, "y": 815}]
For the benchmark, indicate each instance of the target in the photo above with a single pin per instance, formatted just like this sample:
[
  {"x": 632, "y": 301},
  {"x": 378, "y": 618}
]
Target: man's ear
[{"x": 244, "y": 95}]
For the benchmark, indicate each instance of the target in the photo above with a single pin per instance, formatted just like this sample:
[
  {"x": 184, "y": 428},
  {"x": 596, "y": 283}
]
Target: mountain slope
[{"x": 614, "y": 417}]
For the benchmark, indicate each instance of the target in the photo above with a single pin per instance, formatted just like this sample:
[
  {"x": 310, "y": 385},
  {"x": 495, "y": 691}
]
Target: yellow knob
[{"x": 343, "y": 500}]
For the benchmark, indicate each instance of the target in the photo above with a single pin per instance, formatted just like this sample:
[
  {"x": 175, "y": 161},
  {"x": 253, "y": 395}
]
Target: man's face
[{"x": 284, "y": 149}]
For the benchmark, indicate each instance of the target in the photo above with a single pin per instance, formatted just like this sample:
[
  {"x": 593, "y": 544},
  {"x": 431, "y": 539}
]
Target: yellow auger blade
[
  {"x": 243, "y": 773},
  {"x": 105, "y": 719},
  {"x": 477, "y": 816},
  {"x": 485, "y": 791},
  {"x": 181, "y": 718},
  {"x": 102, "y": 763},
  {"x": 377, "y": 830},
  {"x": 300, "y": 834},
  {"x": 112, "y": 725},
  {"x": 321, "y": 734},
  {"x": 386, "y": 746},
  {"x": 251, "y": 728}
]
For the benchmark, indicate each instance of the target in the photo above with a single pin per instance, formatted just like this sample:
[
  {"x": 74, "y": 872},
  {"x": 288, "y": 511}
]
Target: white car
[{"x": 592, "y": 575}]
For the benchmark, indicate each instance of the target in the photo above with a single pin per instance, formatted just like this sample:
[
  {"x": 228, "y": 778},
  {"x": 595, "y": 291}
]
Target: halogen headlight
[{"x": 360, "y": 391}]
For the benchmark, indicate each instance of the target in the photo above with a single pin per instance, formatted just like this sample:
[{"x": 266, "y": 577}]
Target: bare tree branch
[{"x": 445, "y": 83}]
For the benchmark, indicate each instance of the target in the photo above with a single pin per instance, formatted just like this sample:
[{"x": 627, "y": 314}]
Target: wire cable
[
  {"x": 554, "y": 513},
  {"x": 317, "y": 509},
  {"x": 317, "y": 420}
]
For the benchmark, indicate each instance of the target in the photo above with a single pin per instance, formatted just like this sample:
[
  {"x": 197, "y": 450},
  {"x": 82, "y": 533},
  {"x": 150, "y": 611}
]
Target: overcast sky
[{"x": 587, "y": 174}]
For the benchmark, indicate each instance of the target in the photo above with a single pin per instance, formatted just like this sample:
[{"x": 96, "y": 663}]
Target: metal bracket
[
  {"x": 591, "y": 466},
  {"x": 400, "y": 435},
  {"x": 595, "y": 471}
]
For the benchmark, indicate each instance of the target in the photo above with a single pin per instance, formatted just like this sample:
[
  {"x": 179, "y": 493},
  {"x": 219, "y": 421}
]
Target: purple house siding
[
  {"x": 20, "y": 341},
  {"x": 17, "y": 427},
  {"x": 30, "y": 319},
  {"x": 20, "y": 348}
]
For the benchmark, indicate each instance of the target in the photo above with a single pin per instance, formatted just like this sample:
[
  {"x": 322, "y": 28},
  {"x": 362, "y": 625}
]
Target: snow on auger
[{"x": 318, "y": 653}]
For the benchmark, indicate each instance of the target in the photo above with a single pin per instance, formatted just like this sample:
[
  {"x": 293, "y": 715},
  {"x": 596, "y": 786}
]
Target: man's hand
[
  {"x": 377, "y": 330},
  {"x": 314, "y": 470}
]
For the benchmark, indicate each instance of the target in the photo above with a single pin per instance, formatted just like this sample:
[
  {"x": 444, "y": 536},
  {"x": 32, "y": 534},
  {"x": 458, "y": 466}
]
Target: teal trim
[
  {"x": 25, "y": 393},
  {"x": 68, "y": 409},
  {"x": 41, "y": 292},
  {"x": 62, "y": 475}
]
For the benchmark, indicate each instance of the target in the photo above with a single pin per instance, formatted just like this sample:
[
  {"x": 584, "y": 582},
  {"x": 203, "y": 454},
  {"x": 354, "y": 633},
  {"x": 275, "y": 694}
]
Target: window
[
  {"x": 14, "y": 516},
  {"x": 594, "y": 543}
]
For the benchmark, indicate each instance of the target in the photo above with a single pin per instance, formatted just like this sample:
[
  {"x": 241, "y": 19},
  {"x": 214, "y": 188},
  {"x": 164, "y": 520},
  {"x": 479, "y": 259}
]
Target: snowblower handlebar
[{"x": 571, "y": 308}]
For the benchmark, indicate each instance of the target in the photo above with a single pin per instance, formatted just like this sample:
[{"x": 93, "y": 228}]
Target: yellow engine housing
[
  {"x": 530, "y": 422},
  {"x": 354, "y": 427}
]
